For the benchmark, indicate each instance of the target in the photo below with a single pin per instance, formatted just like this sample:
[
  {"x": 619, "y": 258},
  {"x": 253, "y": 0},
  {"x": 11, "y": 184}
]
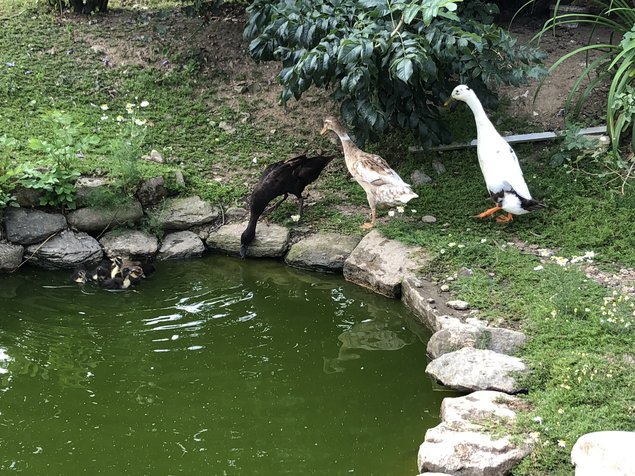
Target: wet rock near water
[
  {"x": 322, "y": 251},
  {"x": 428, "y": 304},
  {"x": 68, "y": 249},
  {"x": 25, "y": 226},
  {"x": 606, "y": 453},
  {"x": 471, "y": 369},
  {"x": 134, "y": 244},
  {"x": 181, "y": 245},
  {"x": 10, "y": 256},
  {"x": 184, "y": 213},
  {"x": 381, "y": 264},
  {"x": 450, "y": 339},
  {"x": 99, "y": 219},
  {"x": 272, "y": 241},
  {"x": 461, "y": 445}
]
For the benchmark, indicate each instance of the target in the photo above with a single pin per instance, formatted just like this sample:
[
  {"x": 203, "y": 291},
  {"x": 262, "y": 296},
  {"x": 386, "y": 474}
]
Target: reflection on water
[{"x": 215, "y": 366}]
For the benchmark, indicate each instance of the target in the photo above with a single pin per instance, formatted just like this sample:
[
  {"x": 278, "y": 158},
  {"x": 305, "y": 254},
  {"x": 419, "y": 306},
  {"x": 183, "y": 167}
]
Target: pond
[{"x": 215, "y": 366}]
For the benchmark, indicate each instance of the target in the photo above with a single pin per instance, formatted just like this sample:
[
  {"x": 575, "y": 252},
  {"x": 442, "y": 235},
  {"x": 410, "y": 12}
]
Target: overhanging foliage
[{"x": 388, "y": 62}]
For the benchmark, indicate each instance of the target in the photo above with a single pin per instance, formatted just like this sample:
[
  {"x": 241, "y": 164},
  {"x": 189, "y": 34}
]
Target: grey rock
[
  {"x": 458, "y": 305},
  {"x": 87, "y": 188},
  {"x": 381, "y": 264},
  {"x": 419, "y": 178},
  {"x": 444, "y": 288},
  {"x": 461, "y": 444},
  {"x": 271, "y": 241},
  {"x": 68, "y": 249},
  {"x": 438, "y": 167},
  {"x": 134, "y": 244},
  {"x": 503, "y": 341},
  {"x": 178, "y": 178},
  {"x": 27, "y": 197},
  {"x": 428, "y": 219},
  {"x": 98, "y": 219},
  {"x": 26, "y": 226},
  {"x": 436, "y": 315},
  {"x": 152, "y": 191},
  {"x": 181, "y": 245},
  {"x": 606, "y": 453},
  {"x": 184, "y": 213},
  {"x": 10, "y": 256},
  {"x": 322, "y": 251},
  {"x": 236, "y": 214},
  {"x": 471, "y": 369}
]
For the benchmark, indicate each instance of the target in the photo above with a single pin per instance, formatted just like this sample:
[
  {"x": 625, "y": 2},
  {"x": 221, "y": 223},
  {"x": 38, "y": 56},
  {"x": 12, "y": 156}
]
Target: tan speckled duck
[{"x": 383, "y": 186}]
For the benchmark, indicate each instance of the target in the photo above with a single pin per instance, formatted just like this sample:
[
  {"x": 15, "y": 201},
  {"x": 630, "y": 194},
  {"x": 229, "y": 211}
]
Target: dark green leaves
[{"x": 387, "y": 63}]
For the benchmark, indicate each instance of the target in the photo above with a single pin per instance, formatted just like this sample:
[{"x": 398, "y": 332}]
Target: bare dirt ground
[{"x": 149, "y": 39}]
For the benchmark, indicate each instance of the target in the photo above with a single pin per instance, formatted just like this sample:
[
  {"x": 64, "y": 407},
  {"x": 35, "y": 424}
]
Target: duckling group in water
[{"x": 114, "y": 273}]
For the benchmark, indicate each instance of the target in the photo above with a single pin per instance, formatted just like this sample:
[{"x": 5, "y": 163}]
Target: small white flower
[
  {"x": 442, "y": 251},
  {"x": 130, "y": 108},
  {"x": 562, "y": 443},
  {"x": 483, "y": 240},
  {"x": 400, "y": 209},
  {"x": 461, "y": 246},
  {"x": 451, "y": 244},
  {"x": 144, "y": 104},
  {"x": 104, "y": 107},
  {"x": 537, "y": 419},
  {"x": 140, "y": 122},
  {"x": 391, "y": 213},
  {"x": 104, "y": 117},
  {"x": 119, "y": 118},
  {"x": 413, "y": 210},
  {"x": 295, "y": 218},
  {"x": 560, "y": 411},
  {"x": 539, "y": 267},
  {"x": 254, "y": 160}
]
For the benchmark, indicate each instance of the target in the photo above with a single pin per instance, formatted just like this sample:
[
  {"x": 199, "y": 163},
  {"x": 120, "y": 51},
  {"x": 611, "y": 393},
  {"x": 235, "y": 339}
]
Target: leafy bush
[
  {"x": 57, "y": 171},
  {"x": 615, "y": 63},
  {"x": 388, "y": 63}
]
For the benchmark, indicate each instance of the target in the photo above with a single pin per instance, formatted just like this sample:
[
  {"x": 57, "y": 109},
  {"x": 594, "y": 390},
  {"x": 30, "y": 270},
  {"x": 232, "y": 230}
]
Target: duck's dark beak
[
  {"x": 243, "y": 251},
  {"x": 324, "y": 130},
  {"x": 448, "y": 102}
]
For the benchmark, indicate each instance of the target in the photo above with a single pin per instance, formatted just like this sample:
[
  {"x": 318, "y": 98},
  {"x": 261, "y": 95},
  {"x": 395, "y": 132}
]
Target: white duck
[
  {"x": 499, "y": 164},
  {"x": 381, "y": 183}
]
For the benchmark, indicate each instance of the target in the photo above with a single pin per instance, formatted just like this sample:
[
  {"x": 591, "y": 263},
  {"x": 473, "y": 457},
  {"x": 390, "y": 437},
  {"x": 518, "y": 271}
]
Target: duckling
[
  {"x": 124, "y": 280},
  {"x": 499, "y": 164},
  {"x": 102, "y": 271},
  {"x": 383, "y": 186},
  {"x": 80, "y": 276},
  {"x": 286, "y": 177}
]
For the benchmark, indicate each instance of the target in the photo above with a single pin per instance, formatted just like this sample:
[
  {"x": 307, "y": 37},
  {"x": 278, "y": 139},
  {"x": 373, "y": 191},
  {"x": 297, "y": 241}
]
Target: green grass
[{"x": 558, "y": 307}]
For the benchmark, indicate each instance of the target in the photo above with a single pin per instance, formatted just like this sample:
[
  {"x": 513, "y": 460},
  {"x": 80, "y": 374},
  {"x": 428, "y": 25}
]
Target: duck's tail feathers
[{"x": 532, "y": 205}]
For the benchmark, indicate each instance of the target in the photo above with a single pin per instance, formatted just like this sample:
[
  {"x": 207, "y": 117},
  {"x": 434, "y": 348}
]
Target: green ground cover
[{"x": 581, "y": 332}]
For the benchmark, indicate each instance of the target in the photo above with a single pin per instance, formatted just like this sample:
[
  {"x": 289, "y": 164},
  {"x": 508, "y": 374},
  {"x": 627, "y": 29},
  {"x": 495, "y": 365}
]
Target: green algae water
[{"x": 216, "y": 366}]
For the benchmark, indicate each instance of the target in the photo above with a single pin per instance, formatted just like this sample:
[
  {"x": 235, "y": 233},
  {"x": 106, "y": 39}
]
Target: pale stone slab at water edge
[
  {"x": 503, "y": 341},
  {"x": 65, "y": 250},
  {"x": 181, "y": 245},
  {"x": 271, "y": 241},
  {"x": 605, "y": 453},
  {"x": 98, "y": 219},
  {"x": 25, "y": 226},
  {"x": 184, "y": 213},
  {"x": 322, "y": 251},
  {"x": 381, "y": 264},
  {"x": 427, "y": 304},
  {"x": 135, "y": 244},
  {"x": 460, "y": 445},
  {"x": 470, "y": 369}
]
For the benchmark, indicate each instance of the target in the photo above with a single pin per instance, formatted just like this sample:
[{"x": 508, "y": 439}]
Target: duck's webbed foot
[
  {"x": 489, "y": 212},
  {"x": 504, "y": 218}
]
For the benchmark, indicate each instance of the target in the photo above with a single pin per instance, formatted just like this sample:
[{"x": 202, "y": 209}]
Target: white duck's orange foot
[
  {"x": 489, "y": 212},
  {"x": 367, "y": 226},
  {"x": 504, "y": 218}
]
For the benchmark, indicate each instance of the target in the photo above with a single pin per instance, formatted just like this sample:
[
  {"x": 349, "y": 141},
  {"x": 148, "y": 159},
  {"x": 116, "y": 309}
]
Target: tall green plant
[
  {"x": 388, "y": 62},
  {"x": 615, "y": 63}
]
